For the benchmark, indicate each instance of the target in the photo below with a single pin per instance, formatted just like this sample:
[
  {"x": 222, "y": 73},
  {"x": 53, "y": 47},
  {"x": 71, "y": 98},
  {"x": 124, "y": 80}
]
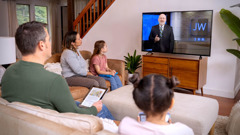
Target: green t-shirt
[{"x": 30, "y": 83}]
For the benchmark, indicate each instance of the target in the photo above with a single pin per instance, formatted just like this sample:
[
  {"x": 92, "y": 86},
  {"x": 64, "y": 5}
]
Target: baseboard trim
[
  {"x": 218, "y": 93},
  {"x": 213, "y": 92},
  {"x": 237, "y": 89}
]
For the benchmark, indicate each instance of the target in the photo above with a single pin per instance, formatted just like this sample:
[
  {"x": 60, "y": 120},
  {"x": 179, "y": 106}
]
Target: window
[
  {"x": 27, "y": 13},
  {"x": 22, "y": 13},
  {"x": 41, "y": 14}
]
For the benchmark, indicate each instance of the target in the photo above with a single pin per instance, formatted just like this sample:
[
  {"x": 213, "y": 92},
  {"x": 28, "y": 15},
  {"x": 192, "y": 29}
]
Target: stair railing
[{"x": 90, "y": 15}]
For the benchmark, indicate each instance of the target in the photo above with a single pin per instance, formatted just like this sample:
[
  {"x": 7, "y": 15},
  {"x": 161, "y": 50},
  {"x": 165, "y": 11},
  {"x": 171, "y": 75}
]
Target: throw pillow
[
  {"x": 2, "y": 71},
  {"x": 87, "y": 61},
  {"x": 54, "y": 67},
  {"x": 234, "y": 120},
  {"x": 85, "y": 123}
]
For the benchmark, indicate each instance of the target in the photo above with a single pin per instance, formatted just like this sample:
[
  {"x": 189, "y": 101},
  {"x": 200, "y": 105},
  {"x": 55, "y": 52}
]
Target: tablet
[{"x": 95, "y": 94}]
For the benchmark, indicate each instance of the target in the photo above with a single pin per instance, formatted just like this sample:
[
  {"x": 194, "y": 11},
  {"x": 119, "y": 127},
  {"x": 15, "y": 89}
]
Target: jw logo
[{"x": 199, "y": 27}]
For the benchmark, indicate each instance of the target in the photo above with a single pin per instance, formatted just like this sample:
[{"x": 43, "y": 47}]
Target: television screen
[{"x": 184, "y": 32}]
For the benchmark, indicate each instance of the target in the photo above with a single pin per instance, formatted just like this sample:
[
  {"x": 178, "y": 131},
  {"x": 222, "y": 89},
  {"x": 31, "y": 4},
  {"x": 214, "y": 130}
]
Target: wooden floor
[{"x": 225, "y": 104}]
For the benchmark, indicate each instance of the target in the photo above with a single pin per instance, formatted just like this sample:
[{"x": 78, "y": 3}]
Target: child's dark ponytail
[
  {"x": 134, "y": 80},
  {"x": 172, "y": 82}
]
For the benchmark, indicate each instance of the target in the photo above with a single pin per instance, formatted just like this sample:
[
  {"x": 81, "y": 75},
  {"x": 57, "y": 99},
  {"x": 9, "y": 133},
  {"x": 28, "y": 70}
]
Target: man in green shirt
[{"x": 27, "y": 81}]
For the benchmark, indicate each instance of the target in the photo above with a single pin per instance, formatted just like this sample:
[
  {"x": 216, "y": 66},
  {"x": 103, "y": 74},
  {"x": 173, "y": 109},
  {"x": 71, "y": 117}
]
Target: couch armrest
[
  {"x": 119, "y": 66},
  {"x": 28, "y": 124},
  {"x": 54, "y": 58},
  {"x": 78, "y": 92}
]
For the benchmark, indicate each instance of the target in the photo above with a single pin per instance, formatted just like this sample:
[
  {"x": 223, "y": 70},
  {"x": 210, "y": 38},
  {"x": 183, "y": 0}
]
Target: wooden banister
[{"x": 90, "y": 15}]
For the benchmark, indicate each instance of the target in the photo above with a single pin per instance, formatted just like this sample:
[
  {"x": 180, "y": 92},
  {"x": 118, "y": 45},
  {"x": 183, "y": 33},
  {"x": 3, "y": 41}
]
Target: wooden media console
[{"x": 190, "y": 70}]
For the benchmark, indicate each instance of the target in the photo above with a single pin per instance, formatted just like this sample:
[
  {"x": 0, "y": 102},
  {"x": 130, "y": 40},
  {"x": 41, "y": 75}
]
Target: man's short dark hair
[{"x": 28, "y": 35}]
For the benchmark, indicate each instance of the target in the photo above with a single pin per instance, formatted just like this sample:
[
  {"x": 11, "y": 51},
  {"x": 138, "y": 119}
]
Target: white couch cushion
[
  {"x": 54, "y": 67},
  {"x": 85, "y": 123},
  {"x": 3, "y": 101},
  {"x": 234, "y": 120}
]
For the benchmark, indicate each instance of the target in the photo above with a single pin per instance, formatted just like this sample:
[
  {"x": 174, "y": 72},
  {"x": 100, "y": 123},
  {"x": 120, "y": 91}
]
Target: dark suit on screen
[{"x": 166, "y": 43}]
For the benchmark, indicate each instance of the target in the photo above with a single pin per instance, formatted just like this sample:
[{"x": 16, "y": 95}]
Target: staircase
[{"x": 90, "y": 15}]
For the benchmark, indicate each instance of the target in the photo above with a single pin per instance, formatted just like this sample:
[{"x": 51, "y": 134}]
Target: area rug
[{"x": 220, "y": 125}]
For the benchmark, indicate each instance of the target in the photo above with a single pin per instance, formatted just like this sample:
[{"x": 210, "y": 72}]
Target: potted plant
[
  {"x": 132, "y": 63},
  {"x": 233, "y": 23}
]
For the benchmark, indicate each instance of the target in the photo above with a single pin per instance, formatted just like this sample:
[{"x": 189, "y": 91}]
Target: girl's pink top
[{"x": 101, "y": 61}]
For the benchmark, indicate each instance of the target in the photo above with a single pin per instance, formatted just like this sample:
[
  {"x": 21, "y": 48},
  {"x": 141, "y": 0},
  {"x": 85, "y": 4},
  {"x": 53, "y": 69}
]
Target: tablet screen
[{"x": 93, "y": 96}]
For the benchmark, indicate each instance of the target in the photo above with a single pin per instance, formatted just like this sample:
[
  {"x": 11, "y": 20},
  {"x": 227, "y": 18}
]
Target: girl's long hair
[{"x": 97, "y": 47}]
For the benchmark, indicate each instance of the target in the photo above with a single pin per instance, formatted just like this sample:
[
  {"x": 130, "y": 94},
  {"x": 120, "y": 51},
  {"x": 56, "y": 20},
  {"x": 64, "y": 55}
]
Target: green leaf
[
  {"x": 233, "y": 23},
  {"x": 127, "y": 59},
  {"x": 138, "y": 58},
  {"x": 134, "y": 55},
  {"x": 237, "y": 40},
  {"x": 128, "y": 55},
  {"x": 231, "y": 20},
  {"x": 234, "y": 52}
]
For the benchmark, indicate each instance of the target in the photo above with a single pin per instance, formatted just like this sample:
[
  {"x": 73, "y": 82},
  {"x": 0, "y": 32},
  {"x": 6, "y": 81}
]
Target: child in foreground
[{"x": 154, "y": 96}]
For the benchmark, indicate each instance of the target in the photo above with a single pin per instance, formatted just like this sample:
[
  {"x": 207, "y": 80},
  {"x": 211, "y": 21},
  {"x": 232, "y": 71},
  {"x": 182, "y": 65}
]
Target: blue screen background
[{"x": 147, "y": 22}]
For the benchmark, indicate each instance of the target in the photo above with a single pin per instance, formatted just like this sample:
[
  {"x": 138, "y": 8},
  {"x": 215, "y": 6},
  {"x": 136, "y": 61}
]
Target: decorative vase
[{"x": 129, "y": 76}]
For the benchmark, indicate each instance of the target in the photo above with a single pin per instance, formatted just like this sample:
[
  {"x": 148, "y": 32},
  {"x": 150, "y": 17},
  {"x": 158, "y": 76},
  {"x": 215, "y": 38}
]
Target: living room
[
  {"x": 123, "y": 35},
  {"x": 121, "y": 26}
]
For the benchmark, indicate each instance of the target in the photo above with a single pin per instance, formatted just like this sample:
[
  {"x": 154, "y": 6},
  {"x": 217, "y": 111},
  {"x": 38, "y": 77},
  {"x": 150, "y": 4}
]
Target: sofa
[
  {"x": 233, "y": 122},
  {"x": 79, "y": 92},
  {"x": 23, "y": 119}
]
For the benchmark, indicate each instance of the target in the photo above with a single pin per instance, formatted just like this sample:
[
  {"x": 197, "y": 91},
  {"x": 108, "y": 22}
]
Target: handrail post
[{"x": 98, "y": 8}]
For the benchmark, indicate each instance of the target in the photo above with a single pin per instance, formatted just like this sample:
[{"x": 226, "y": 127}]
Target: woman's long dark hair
[{"x": 68, "y": 39}]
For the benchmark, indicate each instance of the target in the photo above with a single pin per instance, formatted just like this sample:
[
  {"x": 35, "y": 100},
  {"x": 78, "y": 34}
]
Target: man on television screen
[{"x": 161, "y": 36}]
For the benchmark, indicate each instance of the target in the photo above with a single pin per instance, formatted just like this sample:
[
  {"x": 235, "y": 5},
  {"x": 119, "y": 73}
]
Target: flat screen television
[{"x": 192, "y": 31}]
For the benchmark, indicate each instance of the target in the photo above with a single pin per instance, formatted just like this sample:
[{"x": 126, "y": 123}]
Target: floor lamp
[{"x": 7, "y": 53}]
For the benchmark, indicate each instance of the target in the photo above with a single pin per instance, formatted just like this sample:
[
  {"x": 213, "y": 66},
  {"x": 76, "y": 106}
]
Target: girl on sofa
[
  {"x": 74, "y": 66},
  {"x": 99, "y": 66},
  {"x": 154, "y": 95}
]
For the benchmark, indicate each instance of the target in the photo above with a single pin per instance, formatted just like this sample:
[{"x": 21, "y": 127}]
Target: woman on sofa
[
  {"x": 74, "y": 66},
  {"x": 154, "y": 95},
  {"x": 99, "y": 66}
]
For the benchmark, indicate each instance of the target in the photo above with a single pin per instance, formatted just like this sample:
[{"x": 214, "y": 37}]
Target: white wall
[
  {"x": 4, "y": 32},
  {"x": 121, "y": 27}
]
